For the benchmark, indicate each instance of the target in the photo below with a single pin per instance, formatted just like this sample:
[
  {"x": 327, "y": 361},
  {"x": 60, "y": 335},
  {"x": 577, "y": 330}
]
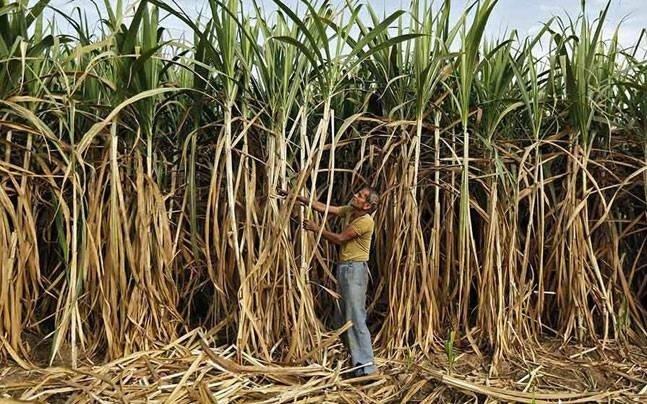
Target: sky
[{"x": 525, "y": 16}]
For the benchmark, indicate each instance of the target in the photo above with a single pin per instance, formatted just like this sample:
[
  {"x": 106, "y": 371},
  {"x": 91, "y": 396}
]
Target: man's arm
[
  {"x": 316, "y": 205},
  {"x": 336, "y": 238},
  {"x": 320, "y": 206}
]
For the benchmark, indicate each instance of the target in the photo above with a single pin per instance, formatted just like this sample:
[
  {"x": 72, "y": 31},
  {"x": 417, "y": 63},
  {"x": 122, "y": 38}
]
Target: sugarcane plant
[{"x": 139, "y": 175}]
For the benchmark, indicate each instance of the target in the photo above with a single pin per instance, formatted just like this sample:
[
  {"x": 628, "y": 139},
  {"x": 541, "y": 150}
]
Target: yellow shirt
[{"x": 358, "y": 248}]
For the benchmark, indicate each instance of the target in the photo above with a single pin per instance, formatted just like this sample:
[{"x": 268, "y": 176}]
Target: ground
[{"x": 192, "y": 371}]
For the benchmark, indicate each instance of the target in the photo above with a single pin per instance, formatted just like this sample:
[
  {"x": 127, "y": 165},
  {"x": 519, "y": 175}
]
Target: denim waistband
[{"x": 355, "y": 265}]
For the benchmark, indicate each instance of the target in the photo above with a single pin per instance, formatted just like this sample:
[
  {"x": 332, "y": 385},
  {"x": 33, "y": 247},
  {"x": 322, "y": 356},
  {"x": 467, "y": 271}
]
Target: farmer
[{"x": 352, "y": 268}]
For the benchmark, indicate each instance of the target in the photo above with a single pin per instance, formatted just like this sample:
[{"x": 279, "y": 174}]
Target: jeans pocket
[
  {"x": 343, "y": 274},
  {"x": 358, "y": 275}
]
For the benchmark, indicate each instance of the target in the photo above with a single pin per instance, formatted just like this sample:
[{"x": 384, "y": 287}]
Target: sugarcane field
[{"x": 323, "y": 201}]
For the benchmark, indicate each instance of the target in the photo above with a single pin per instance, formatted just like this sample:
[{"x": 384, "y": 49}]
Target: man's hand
[
  {"x": 310, "y": 226},
  {"x": 282, "y": 193}
]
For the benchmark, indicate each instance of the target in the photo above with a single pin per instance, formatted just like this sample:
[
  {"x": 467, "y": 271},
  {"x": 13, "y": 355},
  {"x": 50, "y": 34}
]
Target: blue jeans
[{"x": 352, "y": 278}]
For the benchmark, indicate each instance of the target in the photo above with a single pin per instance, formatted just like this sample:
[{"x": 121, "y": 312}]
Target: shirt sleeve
[{"x": 344, "y": 210}]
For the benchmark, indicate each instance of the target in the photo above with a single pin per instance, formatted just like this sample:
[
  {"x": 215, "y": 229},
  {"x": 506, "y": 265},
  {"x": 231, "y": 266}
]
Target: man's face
[{"x": 360, "y": 200}]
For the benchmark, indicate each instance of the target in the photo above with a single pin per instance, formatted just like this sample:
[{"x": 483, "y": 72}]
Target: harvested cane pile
[
  {"x": 191, "y": 370},
  {"x": 137, "y": 201}
]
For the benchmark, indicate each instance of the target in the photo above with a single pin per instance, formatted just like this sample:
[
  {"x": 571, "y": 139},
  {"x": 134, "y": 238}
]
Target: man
[{"x": 352, "y": 269}]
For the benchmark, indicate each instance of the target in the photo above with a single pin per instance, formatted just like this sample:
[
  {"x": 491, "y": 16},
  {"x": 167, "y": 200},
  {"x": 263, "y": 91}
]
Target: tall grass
[{"x": 137, "y": 196}]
